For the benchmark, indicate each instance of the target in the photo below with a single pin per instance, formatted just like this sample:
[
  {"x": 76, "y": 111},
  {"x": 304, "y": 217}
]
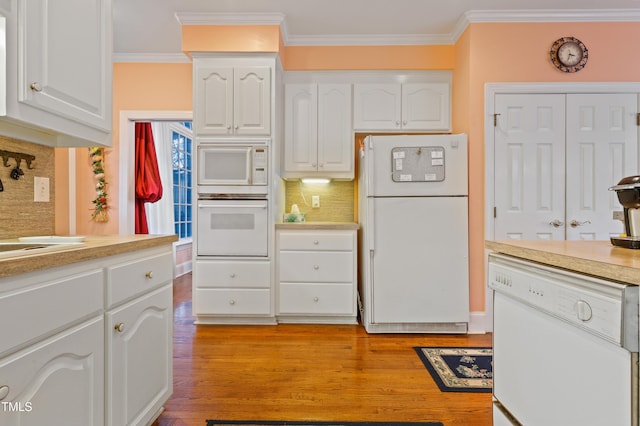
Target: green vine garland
[{"x": 99, "y": 213}]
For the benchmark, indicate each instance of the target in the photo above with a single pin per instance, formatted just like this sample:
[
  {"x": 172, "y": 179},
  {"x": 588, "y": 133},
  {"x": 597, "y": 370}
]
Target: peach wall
[
  {"x": 228, "y": 38},
  {"x": 485, "y": 53},
  {"x": 301, "y": 58},
  {"x": 519, "y": 52}
]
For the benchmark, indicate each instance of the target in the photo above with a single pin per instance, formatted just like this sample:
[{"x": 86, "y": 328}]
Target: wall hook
[{"x": 18, "y": 156}]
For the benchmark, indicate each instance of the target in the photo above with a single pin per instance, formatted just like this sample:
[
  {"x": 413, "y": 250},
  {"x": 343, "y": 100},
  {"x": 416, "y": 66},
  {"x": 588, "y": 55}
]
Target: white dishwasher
[{"x": 565, "y": 347}]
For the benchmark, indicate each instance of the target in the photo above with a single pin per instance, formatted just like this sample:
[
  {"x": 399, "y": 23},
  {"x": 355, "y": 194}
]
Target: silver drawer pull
[
  {"x": 119, "y": 327},
  {"x": 149, "y": 274},
  {"x": 316, "y": 267},
  {"x": 316, "y": 242},
  {"x": 232, "y": 275},
  {"x": 232, "y": 302},
  {"x": 4, "y": 391},
  {"x": 315, "y": 299}
]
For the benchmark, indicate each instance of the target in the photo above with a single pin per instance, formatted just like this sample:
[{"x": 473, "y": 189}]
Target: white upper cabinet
[
  {"x": 59, "y": 72},
  {"x": 232, "y": 101},
  {"x": 408, "y": 106},
  {"x": 318, "y": 133}
]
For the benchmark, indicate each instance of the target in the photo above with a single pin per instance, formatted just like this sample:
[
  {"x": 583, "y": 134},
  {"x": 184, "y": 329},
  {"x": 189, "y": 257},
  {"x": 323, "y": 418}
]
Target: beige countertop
[
  {"x": 94, "y": 247},
  {"x": 598, "y": 258},
  {"x": 318, "y": 225}
]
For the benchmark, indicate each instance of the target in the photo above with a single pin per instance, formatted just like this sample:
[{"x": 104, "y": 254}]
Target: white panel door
[
  {"x": 601, "y": 149},
  {"x": 377, "y": 106},
  {"x": 301, "y": 128},
  {"x": 214, "y": 100},
  {"x": 335, "y": 148},
  {"x": 252, "y": 101},
  {"x": 426, "y": 106},
  {"x": 529, "y": 167}
]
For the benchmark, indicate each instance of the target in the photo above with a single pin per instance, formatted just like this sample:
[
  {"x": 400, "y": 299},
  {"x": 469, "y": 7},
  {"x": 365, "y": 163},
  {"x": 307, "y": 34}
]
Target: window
[{"x": 181, "y": 150}]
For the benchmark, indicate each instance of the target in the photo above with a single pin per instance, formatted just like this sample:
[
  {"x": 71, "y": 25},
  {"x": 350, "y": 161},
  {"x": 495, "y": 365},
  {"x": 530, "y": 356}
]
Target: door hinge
[
  {"x": 495, "y": 120},
  {"x": 495, "y": 212},
  {"x": 638, "y": 119}
]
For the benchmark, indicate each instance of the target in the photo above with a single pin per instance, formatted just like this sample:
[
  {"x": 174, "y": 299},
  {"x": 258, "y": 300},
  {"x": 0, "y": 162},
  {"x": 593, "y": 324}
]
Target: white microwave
[{"x": 234, "y": 169}]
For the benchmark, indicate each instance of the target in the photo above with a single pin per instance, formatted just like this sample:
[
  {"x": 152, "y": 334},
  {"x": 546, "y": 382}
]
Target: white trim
[
  {"x": 72, "y": 188},
  {"x": 126, "y": 147},
  {"x": 370, "y": 40},
  {"x": 477, "y": 323},
  {"x": 472, "y": 16},
  {"x": 151, "y": 57},
  {"x": 491, "y": 90}
]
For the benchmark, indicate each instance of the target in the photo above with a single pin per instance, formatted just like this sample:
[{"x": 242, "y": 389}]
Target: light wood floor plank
[{"x": 308, "y": 372}]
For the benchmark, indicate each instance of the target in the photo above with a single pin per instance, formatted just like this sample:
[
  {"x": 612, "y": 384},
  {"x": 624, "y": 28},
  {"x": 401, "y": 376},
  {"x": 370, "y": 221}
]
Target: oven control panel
[{"x": 592, "y": 304}]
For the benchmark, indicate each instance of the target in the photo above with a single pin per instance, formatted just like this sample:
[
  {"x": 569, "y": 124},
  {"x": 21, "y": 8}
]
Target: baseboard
[
  {"x": 478, "y": 323},
  {"x": 182, "y": 269}
]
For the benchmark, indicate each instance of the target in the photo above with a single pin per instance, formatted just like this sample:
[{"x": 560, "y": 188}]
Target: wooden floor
[{"x": 308, "y": 372}]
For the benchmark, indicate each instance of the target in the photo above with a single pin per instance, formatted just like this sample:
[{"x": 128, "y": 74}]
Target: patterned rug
[
  {"x": 312, "y": 423},
  {"x": 459, "y": 369}
]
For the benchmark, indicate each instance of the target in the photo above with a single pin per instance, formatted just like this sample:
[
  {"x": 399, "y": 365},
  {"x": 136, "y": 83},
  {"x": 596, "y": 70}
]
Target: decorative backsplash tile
[
  {"x": 336, "y": 200},
  {"x": 19, "y": 214}
]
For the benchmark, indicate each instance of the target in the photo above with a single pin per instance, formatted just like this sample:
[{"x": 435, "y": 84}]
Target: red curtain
[{"x": 148, "y": 184}]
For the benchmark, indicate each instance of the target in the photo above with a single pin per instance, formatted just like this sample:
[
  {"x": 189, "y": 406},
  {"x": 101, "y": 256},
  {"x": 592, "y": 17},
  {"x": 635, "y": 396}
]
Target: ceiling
[{"x": 150, "y": 28}]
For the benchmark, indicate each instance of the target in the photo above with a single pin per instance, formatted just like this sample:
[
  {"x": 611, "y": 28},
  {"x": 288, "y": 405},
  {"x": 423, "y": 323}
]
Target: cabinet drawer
[
  {"x": 233, "y": 274},
  {"x": 325, "y": 240},
  {"x": 39, "y": 310},
  {"x": 138, "y": 276},
  {"x": 299, "y": 266},
  {"x": 213, "y": 301},
  {"x": 332, "y": 299}
]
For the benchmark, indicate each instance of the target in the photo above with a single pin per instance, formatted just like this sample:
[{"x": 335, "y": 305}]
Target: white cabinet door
[
  {"x": 377, "y": 106},
  {"x": 59, "y": 380},
  {"x": 601, "y": 149},
  {"x": 214, "y": 101},
  {"x": 301, "y": 128},
  {"x": 335, "y": 138},
  {"x": 318, "y": 136},
  {"x": 529, "y": 167},
  {"x": 65, "y": 58},
  {"x": 426, "y": 106},
  {"x": 139, "y": 364},
  {"x": 232, "y": 101},
  {"x": 252, "y": 101},
  {"x": 408, "y": 106}
]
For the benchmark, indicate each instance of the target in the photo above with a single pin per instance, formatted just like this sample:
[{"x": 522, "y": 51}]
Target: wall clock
[{"x": 568, "y": 54}]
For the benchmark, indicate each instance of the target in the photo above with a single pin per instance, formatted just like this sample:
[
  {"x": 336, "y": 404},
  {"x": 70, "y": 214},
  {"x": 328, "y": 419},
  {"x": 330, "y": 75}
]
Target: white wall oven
[
  {"x": 241, "y": 167},
  {"x": 233, "y": 227}
]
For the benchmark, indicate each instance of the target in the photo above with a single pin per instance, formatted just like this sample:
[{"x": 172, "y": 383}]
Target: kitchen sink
[{"x": 33, "y": 245}]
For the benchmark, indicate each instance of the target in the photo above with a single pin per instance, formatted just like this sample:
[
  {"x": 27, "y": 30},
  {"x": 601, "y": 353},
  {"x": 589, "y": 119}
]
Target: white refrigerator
[{"x": 414, "y": 244}]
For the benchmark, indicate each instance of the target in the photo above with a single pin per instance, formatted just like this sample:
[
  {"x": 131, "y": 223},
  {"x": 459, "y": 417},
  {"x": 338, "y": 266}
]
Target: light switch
[
  {"x": 315, "y": 201},
  {"x": 41, "y": 189}
]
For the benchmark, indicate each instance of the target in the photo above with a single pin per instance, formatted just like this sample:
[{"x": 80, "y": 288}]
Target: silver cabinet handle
[
  {"x": 556, "y": 223},
  {"x": 397, "y": 124},
  {"x": 316, "y": 299},
  {"x": 574, "y": 223},
  {"x": 35, "y": 86},
  {"x": 232, "y": 275},
  {"x": 119, "y": 327},
  {"x": 316, "y": 267},
  {"x": 232, "y": 302},
  {"x": 149, "y": 275}
]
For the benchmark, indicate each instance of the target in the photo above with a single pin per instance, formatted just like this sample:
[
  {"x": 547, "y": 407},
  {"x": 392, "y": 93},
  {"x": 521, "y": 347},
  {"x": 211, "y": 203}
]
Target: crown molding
[
  {"x": 543, "y": 15},
  {"x": 472, "y": 16},
  {"x": 150, "y": 57},
  {"x": 368, "y": 40}
]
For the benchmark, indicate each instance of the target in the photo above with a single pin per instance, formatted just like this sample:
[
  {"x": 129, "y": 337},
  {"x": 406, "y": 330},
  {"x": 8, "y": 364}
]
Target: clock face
[{"x": 569, "y": 54}]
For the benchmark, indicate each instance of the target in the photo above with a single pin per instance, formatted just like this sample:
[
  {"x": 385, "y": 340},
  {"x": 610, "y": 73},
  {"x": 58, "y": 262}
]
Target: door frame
[{"x": 493, "y": 89}]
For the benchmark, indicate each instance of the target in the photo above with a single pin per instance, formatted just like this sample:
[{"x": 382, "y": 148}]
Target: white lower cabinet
[
  {"x": 89, "y": 343},
  {"x": 317, "y": 276},
  {"x": 139, "y": 338},
  {"x": 59, "y": 380},
  {"x": 232, "y": 291}
]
